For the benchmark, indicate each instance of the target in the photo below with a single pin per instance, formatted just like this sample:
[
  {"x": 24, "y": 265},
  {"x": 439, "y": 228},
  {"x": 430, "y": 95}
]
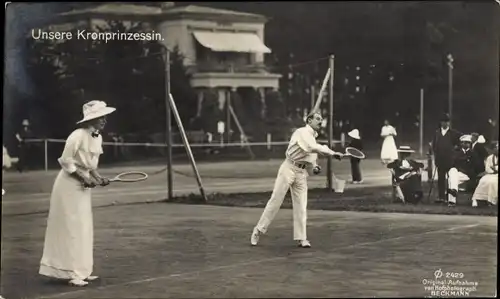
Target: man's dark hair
[{"x": 311, "y": 116}]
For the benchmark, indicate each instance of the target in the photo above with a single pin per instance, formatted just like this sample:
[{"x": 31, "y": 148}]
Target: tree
[
  {"x": 48, "y": 93},
  {"x": 184, "y": 95},
  {"x": 276, "y": 116},
  {"x": 128, "y": 75},
  {"x": 210, "y": 112}
]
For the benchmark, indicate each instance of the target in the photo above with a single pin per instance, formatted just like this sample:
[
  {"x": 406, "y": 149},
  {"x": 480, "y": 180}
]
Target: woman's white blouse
[
  {"x": 81, "y": 151},
  {"x": 388, "y": 130},
  {"x": 491, "y": 164}
]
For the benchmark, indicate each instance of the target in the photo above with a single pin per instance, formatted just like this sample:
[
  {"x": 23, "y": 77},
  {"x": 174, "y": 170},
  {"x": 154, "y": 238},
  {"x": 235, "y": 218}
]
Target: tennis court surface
[{"x": 162, "y": 250}]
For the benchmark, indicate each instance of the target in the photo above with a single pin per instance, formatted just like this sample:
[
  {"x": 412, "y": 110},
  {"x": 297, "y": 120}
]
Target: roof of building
[
  {"x": 172, "y": 12},
  {"x": 118, "y": 9},
  {"x": 209, "y": 10}
]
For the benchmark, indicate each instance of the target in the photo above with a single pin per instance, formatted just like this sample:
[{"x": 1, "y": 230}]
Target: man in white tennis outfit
[{"x": 301, "y": 155}]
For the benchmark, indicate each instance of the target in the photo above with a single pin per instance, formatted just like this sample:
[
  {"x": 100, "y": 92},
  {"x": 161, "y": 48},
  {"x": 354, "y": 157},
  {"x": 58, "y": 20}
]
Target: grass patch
[{"x": 369, "y": 199}]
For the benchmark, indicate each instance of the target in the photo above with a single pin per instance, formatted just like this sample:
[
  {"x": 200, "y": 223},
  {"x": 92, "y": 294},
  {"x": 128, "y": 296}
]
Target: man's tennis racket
[
  {"x": 354, "y": 152},
  {"x": 130, "y": 177}
]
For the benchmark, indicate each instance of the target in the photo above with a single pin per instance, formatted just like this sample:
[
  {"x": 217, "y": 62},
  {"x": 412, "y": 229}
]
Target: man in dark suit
[
  {"x": 480, "y": 152},
  {"x": 462, "y": 170},
  {"x": 406, "y": 176},
  {"x": 444, "y": 143}
]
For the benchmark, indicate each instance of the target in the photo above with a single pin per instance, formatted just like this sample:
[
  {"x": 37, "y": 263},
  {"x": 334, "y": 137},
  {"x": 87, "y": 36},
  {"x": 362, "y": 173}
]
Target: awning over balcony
[{"x": 231, "y": 42}]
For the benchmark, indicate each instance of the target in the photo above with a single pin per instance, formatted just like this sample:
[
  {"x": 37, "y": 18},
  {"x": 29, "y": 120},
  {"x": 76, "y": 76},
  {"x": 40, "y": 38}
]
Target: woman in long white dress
[
  {"x": 487, "y": 188},
  {"x": 69, "y": 237},
  {"x": 389, "y": 150}
]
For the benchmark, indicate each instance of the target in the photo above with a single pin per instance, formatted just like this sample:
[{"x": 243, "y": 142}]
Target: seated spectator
[
  {"x": 406, "y": 176},
  {"x": 487, "y": 188},
  {"x": 8, "y": 160},
  {"x": 479, "y": 151},
  {"x": 463, "y": 168}
]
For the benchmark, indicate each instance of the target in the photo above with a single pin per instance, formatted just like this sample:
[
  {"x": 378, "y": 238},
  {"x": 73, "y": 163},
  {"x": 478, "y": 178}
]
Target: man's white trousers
[
  {"x": 455, "y": 178},
  {"x": 293, "y": 178}
]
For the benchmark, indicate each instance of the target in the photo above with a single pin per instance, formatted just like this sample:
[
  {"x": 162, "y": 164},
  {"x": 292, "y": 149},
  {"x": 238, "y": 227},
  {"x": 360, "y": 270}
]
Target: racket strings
[
  {"x": 354, "y": 152},
  {"x": 132, "y": 176}
]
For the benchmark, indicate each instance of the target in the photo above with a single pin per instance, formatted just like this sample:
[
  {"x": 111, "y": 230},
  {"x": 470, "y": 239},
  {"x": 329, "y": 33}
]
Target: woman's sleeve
[
  {"x": 67, "y": 159},
  {"x": 394, "y": 131},
  {"x": 488, "y": 165},
  {"x": 383, "y": 133}
]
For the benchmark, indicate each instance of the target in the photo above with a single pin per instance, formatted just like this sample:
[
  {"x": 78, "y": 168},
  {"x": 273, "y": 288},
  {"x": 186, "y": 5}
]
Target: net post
[
  {"x": 312, "y": 97},
  {"x": 228, "y": 115},
  {"x": 421, "y": 124},
  {"x": 187, "y": 146},
  {"x": 168, "y": 114},
  {"x": 46, "y": 154},
  {"x": 329, "y": 173}
]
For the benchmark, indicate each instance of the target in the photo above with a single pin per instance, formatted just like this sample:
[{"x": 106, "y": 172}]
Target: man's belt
[{"x": 301, "y": 165}]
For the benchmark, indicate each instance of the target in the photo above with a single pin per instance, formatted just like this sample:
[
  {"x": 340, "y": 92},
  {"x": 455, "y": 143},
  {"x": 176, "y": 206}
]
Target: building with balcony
[{"x": 223, "y": 50}]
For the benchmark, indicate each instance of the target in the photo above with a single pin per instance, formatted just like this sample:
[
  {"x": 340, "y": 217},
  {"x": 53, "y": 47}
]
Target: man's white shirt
[
  {"x": 405, "y": 164},
  {"x": 443, "y": 131},
  {"x": 303, "y": 146}
]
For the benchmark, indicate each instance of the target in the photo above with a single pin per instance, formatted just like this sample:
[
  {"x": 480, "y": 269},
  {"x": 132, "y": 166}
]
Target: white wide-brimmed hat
[
  {"x": 466, "y": 138},
  {"x": 95, "y": 109},
  {"x": 405, "y": 149},
  {"x": 354, "y": 134}
]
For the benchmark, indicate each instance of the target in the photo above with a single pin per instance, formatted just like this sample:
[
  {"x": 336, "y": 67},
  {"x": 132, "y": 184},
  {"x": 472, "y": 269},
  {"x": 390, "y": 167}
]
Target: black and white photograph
[{"x": 337, "y": 149}]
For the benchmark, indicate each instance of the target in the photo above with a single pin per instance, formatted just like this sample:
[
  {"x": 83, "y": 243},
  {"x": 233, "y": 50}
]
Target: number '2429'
[{"x": 454, "y": 275}]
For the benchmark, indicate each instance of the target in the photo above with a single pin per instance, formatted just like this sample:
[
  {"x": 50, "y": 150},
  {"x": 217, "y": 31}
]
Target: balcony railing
[{"x": 206, "y": 67}]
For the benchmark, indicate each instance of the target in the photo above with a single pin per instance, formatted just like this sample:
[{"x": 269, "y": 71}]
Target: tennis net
[{"x": 43, "y": 153}]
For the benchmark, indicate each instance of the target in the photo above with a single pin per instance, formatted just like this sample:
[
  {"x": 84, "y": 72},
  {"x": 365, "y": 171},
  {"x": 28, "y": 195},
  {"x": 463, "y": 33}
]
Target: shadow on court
[{"x": 171, "y": 251}]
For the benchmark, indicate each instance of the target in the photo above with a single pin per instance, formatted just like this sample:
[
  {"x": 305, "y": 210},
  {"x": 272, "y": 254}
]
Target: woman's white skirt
[
  {"x": 69, "y": 238},
  {"x": 487, "y": 189},
  {"x": 389, "y": 150}
]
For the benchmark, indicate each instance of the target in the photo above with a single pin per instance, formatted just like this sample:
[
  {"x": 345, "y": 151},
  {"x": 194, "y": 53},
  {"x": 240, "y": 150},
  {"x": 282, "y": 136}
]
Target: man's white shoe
[
  {"x": 304, "y": 244},
  {"x": 78, "y": 283},
  {"x": 254, "y": 239}
]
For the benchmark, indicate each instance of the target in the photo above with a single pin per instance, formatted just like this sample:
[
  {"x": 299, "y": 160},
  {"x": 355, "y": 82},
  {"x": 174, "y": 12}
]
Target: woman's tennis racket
[
  {"x": 354, "y": 152},
  {"x": 130, "y": 177}
]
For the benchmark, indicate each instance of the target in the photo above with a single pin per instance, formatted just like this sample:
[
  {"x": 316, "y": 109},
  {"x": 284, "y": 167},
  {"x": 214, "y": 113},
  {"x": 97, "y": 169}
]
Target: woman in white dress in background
[
  {"x": 389, "y": 150},
  {"x": 69, "y": 238}
]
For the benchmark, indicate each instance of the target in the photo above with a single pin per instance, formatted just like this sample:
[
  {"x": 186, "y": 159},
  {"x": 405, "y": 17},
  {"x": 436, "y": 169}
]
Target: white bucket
[{"x": 339, "y": 186}]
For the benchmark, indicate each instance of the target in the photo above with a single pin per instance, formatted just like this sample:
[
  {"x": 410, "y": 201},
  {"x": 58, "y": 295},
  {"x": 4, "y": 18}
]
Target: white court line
[
  {"x": 236, "y": 265},
  {"x": 482, "y": 234}
]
